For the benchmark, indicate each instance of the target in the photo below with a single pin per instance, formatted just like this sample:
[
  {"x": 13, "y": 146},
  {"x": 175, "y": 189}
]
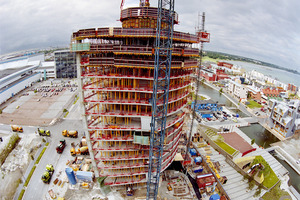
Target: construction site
[
  {"x": 116, "y": 80},
  {"x": 128, "y": 128}
]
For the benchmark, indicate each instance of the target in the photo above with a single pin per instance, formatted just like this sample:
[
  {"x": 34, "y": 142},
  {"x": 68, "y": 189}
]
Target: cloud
[{"x": 265, "y": 30}]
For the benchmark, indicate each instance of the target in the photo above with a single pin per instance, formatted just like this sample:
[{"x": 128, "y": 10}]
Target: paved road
[
  {"x": 6, "y": 129},
  {"x": 36, "y": 188}
]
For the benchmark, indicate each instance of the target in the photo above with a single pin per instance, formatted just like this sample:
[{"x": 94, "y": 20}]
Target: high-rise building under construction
[{"x": 115, "y": 68}]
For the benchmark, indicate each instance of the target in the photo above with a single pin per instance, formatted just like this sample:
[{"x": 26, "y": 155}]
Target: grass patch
[
  {"x": 21, "y": 194},
  {"x": 254, "y": 104},
  {"x": 13, "y": 141},
  {"x": 193, "y": 95},
  {"x": 66, "y": 114},
  {"x": 275, "y": 193},
  {"x": 270, "y": 178},
  {"x": 40, "y": 156},
  {"x": 225, "y": 147},
  {"x": 206, "y": 58},
  {"x": 29, "y": 176},
  {"x": 76, "y": 99}
]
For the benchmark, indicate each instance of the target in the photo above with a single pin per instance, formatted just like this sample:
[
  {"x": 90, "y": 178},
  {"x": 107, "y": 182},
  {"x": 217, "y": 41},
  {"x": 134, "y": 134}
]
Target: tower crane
[
  {"x": 202, "y": 36},
  {"x": 161, "y": 82}
]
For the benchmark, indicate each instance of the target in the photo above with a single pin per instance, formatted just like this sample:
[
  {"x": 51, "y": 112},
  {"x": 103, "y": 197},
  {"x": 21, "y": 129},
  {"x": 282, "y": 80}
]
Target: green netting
[
  {"x": 105, "y": 189},
  {"x": 143, "y": 140},
  {"x": 101, "y": 181},
  {"x": 80, "y": 47}
]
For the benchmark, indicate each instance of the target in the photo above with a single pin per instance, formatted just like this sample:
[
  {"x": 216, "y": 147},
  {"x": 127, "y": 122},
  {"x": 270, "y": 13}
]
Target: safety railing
[
  {"x": 147, "y": 12},
  {"x": 93, "y": 86},
  {"x": 112, "y": 181},
  {"x": 132, "y": 32},
  {"x": 97, "y": 71},
  {"x": 126, "y": 156}
]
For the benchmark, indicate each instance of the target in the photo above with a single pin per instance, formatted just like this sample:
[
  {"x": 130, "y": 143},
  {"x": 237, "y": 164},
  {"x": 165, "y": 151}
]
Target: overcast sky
[{"x": 268, "y": 30}]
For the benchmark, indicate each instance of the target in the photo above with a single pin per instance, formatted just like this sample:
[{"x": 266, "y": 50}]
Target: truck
[
  {"x": 46, "y": 177},
  {"x": 72, "y": 134},
  {"x": 129, "y": 191},
  {"x": 61, "y": 146},
  {"x": 43, "y": 132},
  {"x": 16, "y": 128},
  {"x": 84, "y": 150},
  {"x": 205, "y": 180}
]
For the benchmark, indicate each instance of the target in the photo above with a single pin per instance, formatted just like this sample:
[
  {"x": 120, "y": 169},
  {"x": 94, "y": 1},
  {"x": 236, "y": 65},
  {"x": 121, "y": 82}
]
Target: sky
[{"x": 267, "y": 30}]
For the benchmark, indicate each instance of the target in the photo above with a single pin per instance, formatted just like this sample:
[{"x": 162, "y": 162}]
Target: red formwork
[
  {"x": 99, "y": 71},
  {"x": 117, "y": 32},
  {"x": 144, "y": 12}
]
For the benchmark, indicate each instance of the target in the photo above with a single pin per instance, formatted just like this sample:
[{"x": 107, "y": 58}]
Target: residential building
[
  {"x": 284, "y": 116},
  {"x": 213, "y": 74},
  {"x": 225, "y": 64},
  {"x": 65, "y": 64},
  {"x": 237, "y": 89},
  {"x": 292, "y": 88},
  {"x": 116, "y": 72},
  {"x": 264, "y": 81},
  {"x": 271, "y": 93},
  {"x": 254, "y": 93},
  {"x": 209, "y": 75}
]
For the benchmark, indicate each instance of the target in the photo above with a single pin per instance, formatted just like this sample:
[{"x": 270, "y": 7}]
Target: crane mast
[
  {"x": 203, "y": 36},
  {"x": 161, "y": 82}
]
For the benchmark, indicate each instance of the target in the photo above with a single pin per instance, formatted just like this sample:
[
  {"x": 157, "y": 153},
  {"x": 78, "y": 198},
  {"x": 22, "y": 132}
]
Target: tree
[
  {"x": 252, "y": 141},
  {"x": 221, "y": 90}
]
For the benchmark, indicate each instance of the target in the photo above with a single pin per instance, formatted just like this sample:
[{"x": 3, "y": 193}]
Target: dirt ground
[
  {"x": 13, "y": 169},
  {"x": 35, "y": 108}
]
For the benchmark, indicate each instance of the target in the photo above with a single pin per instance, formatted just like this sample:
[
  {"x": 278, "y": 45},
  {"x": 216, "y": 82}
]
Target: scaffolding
[{"x": 116, "y": 69}]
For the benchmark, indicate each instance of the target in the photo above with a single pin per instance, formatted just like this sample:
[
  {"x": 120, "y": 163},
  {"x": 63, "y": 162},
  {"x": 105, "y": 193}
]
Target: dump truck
[
  {"x": 16, "y": 128},
  {"x": 43, "y": 132},
  {"x": 72, "y": 134},
  {"x": 61, "y": 146},
  {"x": 46, "y": 177}
]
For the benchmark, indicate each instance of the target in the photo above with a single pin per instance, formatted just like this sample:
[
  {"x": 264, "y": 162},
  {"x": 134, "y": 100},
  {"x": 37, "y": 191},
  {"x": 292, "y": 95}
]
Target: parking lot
[{"x": 40, "y": 104}]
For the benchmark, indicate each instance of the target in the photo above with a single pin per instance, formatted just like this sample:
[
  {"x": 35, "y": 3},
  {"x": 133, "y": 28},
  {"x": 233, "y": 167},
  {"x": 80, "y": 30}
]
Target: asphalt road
[{"x": 36, "y": 188}]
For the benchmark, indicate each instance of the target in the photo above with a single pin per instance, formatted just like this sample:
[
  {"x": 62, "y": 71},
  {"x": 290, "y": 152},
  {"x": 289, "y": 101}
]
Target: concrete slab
[{"x": 18, "y": 102}]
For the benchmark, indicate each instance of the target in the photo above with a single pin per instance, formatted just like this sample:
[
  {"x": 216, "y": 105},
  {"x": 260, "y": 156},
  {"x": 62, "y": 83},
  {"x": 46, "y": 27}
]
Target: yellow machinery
[
  {"x": 16, "y": 128},
  {"x": 72, "y": 134}
]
